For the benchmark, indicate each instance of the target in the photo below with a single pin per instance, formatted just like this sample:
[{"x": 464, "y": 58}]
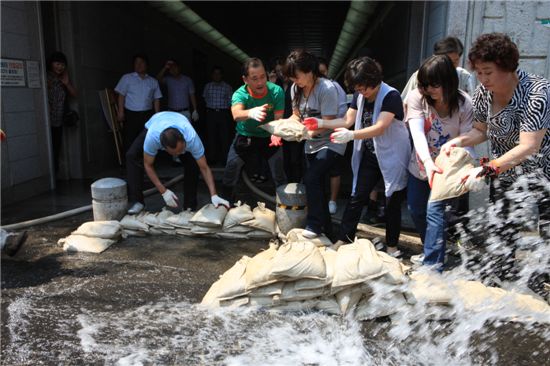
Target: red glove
[
  {"x": 276, "y": 141},
  {"x": 312, "y": 123}
]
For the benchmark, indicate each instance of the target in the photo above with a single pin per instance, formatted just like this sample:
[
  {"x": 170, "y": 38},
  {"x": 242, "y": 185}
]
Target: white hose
[{"x": 76, "y": 211}]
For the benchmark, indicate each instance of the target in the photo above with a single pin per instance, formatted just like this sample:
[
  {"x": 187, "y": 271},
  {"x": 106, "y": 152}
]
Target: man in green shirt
[{"x": 257, "y": 102}]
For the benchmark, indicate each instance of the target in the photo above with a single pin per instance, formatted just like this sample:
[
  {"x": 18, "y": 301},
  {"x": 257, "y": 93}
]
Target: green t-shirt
[{"x": 274, "y": 98}]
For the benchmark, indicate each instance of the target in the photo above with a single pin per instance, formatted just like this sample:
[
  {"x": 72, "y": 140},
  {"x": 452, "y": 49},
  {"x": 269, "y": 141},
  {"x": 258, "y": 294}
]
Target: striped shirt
[
  {"x": 217, "y": 95},
  {"x": 139, "y": 93}
]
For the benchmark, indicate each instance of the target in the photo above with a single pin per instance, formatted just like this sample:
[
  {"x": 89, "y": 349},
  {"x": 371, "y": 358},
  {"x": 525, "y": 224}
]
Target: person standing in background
[
  {"x": 138, "y": 99},
  {"x": 336, "y": 171},
  {"x": 60, "y": 89},
  {"x": 181, "y": 90},
  {"x": 219, "y": 122}
]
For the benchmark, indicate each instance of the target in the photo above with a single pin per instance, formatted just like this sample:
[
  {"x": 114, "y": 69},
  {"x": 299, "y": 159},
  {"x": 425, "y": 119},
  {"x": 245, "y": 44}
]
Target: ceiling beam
[{"x": 182, "y": 14}]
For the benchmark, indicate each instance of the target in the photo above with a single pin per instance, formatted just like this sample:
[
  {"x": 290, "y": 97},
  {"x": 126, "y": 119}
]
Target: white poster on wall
[
  {"x": 33, "y": 74},
  {"x": 12, "y": 72}
]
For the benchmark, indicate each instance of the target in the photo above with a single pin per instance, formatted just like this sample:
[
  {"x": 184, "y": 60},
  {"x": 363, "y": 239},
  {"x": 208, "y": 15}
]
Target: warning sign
[{"x": 12, "y": 72}]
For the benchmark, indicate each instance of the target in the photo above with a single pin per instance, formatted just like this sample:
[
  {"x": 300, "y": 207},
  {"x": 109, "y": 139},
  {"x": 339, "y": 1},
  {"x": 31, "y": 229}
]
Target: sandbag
[
  {"x": 231, "y": 236},
  {"x": 268, "y": 290},
  {"x": 264, "y": 219},
  {"x": 238, "y": 214},
  {"x": 235, "y": 302},
  {"x": 209, "y": 216},
  {"x": 181, "y": 220},
  {"x": 264, "y": 301},
  {"x": 357, "y": 262},
  {"x": 131, "y": 222},
  {"x": 428, "y": 287},
  {"x": 81, "y": 243},
  {"x": 238, "y": 229},
  {"x": 348, "y": 299},
  {"x": 329, "y": 256},
  {"x": 126, "y": 233},
  {"x": 154, "y": 220},
  {"x": 296, "y": 235},
  {"x": 259, "y": 269},
  {"x": 168, "y": 231},
  {"x": 295, "y": 260},
  {"x": 231, "y": 284},
  {"x": 259, "y": 234},
  {"x": 329, "y": 305},
  {"x": 155, "y": 231},
  {"x": 289, "y": 129},
  {"x": 100, "y": 229},
  {"x": 295, "y": 306},
  {"x": 396, "y": 273},
  {"x": 204, "y": 230},
  {"x": 455, "y": 166},
  {"x": 184, "y": 232},
  {"x": 375, "y": 306},
  {"x": 290, "y": 293}
]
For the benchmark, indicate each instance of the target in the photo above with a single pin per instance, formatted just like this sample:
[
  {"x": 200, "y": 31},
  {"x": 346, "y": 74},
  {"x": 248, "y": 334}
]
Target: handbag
[{"x": 70, "y": 118}]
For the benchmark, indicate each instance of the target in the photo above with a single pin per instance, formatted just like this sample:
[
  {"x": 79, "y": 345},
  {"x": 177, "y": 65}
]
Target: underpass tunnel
[{"x": 100, "y": 39}]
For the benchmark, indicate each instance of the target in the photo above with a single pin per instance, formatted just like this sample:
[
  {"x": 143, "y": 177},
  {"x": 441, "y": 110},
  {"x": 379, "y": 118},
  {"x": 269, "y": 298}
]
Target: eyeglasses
[{"x": 433, "y": 85}]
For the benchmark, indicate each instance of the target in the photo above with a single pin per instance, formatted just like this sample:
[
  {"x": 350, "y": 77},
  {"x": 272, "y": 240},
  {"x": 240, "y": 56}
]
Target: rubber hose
[
  {"x": 257, "y": 190},
  {"x": 79, "y": 210}
]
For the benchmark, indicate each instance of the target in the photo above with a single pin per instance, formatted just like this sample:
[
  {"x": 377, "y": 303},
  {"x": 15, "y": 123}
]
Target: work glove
[
  {"x": 341, "y": 136},
  {"x": 276, "y": 141},
  {"x": 313, "y": 123},
  {"x": 170, "y": 198},
  {"x": 258, "y": 113},
  {"x": 431, "y": 169},
  {"x": 449, "y": 145},
  {"x": 478, "y": 178},
  {"x": 217, "y": 201},
  {"x": 195, "y": 116}
]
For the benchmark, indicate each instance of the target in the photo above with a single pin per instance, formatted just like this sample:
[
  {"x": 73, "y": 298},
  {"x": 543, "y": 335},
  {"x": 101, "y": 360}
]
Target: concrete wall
[{"x": 25, "y": 154}]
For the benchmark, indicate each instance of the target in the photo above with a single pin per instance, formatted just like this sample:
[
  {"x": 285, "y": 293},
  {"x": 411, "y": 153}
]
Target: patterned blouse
[
  {"x": 56, "y": 100},
  {"x": 528, "y": 111}
]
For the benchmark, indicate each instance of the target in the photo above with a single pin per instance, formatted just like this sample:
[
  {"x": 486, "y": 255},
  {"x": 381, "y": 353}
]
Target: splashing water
[{"x": 67, "y": 321}]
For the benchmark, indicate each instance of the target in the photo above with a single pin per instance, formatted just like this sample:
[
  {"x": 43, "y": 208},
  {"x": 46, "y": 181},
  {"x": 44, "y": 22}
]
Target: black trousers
[
  {"x": 57, "y": 141},
  {"x": 135, "y": 170},
  {"x": 133, "y": 125},
  {"x": 294, "y": 160},
  {"x": 221, "y": 130},
  {"x": 368, "y": 176}
]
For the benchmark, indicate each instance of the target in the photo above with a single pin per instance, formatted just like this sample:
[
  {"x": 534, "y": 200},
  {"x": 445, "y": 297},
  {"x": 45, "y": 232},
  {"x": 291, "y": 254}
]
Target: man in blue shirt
[{"x": 172, "y": 132}]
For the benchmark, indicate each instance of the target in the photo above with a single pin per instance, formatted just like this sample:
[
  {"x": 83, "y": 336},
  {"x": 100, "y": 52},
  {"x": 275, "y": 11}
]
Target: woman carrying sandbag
[
  {"x": 314, "y": 96},
  {"x": 437, "y": 112},
  {"x": 381, "y": 147},
  {"x": 512, "y": 111}
]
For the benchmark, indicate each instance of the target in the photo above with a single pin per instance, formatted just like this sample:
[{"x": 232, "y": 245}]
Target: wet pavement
[{"x": 134, "y": 305}]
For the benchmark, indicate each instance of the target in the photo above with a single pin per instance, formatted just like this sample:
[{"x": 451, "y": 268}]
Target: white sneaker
[
  {"x": 332, "y": 207},
  {"x": 309, "y": 234},
  {"x": 417, "y": 259},
  {"x": 135, "y": 209}
]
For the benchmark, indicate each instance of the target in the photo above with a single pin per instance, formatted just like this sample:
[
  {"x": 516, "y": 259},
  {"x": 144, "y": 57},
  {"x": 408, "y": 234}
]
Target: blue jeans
[
  {"x": 436, "y": 237},
  {"x": 418, "y": 192},
  {"x": 319, "y": 165}
]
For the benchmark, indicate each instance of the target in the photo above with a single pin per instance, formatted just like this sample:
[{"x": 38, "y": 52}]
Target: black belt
[
  {"x": 179, "y": 110},
  {"x": 217, "y": 109}
]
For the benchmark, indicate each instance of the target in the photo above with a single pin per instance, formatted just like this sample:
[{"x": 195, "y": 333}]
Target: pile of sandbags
[
  {"x": 303, "y": 275},
  {"x": 93, "y": 237},
  {"x": 240, "y": 222},
  {"x": 356, "y": 280}
]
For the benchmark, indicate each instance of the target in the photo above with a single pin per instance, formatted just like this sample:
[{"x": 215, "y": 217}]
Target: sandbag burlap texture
[
  {"x": 288, "y": 129},
  {"x": 449, "y": 183}
]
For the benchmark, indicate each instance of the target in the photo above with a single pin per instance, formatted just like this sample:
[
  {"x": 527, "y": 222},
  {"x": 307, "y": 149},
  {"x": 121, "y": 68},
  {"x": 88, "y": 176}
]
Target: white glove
[
  {"x": 341, "y": 136},
  {"x": 431, "y": 169},
  {"x": 195, "y": 116},
  {"x": 258, "y": 113},
  {"x": 447, "y": 147},
  {"x": 216, "y": 201},
  {"x": 472, "y": 182},
  {"x": 170, "y": 198}
]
